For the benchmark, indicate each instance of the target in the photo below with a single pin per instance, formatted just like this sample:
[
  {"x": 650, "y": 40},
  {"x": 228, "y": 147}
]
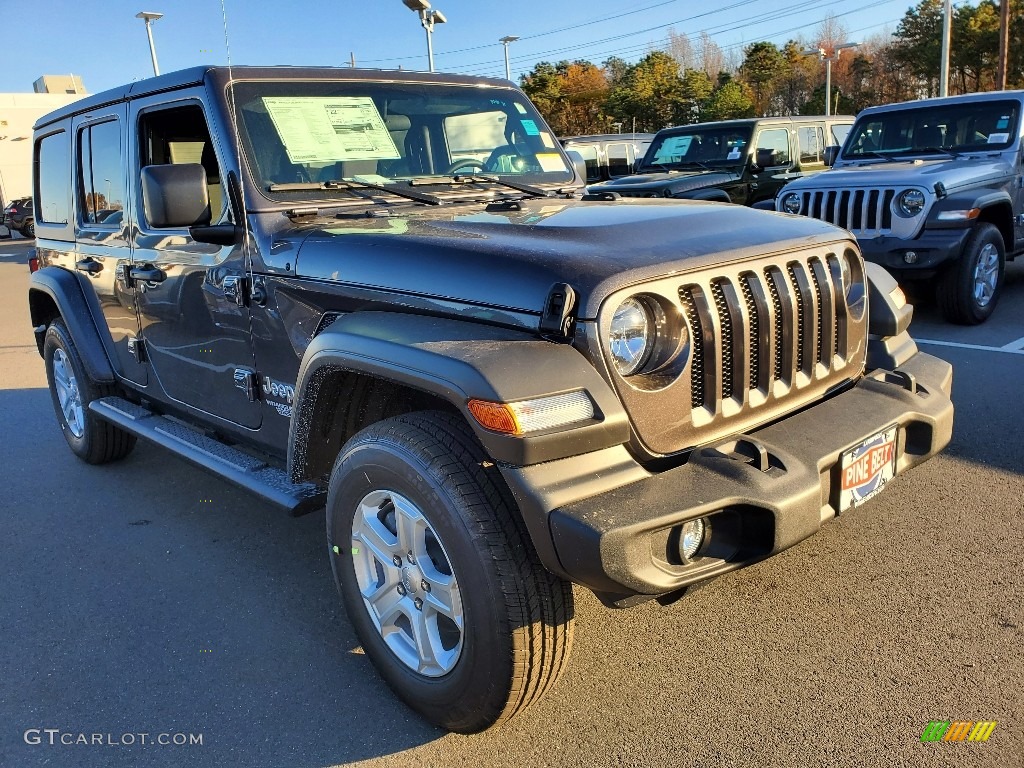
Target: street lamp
[
  {"x": 149, "y": 17},
  {"x": 820, "y": 53},
  {"x": 428, "y": 18},
  {"x": 505, "y": 41}
]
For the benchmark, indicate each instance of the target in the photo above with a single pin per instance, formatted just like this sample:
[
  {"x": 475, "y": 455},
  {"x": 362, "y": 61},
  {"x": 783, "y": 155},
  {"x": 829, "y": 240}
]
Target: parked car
[
  {"x": 609, "y": 155},
  {"x": 20, "y": 217},
  {"x": 497, "y": 385},
  {"x": 933, "y": 191},
  {"x": 732, "y": 161}
]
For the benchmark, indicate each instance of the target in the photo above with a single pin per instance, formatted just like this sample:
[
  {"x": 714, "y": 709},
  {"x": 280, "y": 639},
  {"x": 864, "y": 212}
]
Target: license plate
[{"x": 866, "y": 468}]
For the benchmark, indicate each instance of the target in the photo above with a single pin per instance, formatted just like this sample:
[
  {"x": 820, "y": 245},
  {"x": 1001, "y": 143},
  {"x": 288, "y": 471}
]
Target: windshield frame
[
  {"x": 246, "y": 98},
  {"x": 936, "y": 118},
  {"x": 743, "y": 131}
]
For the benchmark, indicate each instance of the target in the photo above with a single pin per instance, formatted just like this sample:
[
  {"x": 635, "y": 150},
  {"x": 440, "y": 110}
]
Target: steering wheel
[
  {"x": 520, "y": 160},
  {"x": 466, "y": 162}
]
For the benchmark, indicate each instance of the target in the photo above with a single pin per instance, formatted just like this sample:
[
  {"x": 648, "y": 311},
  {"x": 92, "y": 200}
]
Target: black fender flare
[
  {"x": 458, "y": 361},
  {"x": 64, "y": 288},
  {"x": 965, "y": 200},
  {"x": 712, "y": 195}
]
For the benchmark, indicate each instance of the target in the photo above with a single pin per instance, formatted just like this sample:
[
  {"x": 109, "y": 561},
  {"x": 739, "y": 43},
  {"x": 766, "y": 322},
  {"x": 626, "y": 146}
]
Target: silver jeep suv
[{"x": 933, "y": 190}]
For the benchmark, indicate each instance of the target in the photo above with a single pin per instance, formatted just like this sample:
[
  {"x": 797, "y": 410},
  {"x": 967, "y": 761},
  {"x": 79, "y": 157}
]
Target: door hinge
[
  {"x": 236, "y": 289},
  {"x": 137, "y": 348},
  {"x": 245, "y": 380}
]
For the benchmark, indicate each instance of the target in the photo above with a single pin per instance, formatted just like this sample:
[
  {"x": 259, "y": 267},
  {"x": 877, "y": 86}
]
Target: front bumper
[
  {"x": 611, "y": 523},
  {"x": 932, "y": 247}
]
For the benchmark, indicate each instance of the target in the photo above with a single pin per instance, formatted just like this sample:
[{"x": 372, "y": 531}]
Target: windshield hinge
[
  {"x": 606, "y": 196},
  {"x": 557, "y": 319},
  {"x": 302, "y": 213}
]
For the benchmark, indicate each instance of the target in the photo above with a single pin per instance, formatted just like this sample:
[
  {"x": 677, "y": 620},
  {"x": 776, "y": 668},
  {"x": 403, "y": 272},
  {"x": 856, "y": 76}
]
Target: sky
[{"x": 106, "y": 45}]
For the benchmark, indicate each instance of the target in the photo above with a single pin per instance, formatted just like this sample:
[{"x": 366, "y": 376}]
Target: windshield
[
  {"x": 304, "y": 132},
  {"x": 959, "y": 127},
  {"x": 696, "y": 148}
]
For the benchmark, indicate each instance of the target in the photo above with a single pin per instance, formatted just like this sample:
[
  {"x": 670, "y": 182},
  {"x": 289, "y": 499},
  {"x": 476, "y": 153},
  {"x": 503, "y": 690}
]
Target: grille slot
[
  {"x": 697, "y": 359},
  {"x": 863, "y": 212},
  {"x": 753, "y": 311}
]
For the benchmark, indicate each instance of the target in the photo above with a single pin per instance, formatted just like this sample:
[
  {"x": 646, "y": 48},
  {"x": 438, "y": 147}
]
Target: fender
[
  {"x": 65, "y": 289},
  {"x": 964, "y": 201},
  {"x": 711, "y": 195},
  {"x": 458, "y": 361}
]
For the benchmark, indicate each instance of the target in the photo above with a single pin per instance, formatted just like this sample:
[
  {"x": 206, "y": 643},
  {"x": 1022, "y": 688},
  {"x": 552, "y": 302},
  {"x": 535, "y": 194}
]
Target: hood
[
  {"x": 952, "y": 172},
  {"x": 510, "y": 259},
  {"x": 665, "y": 183}
]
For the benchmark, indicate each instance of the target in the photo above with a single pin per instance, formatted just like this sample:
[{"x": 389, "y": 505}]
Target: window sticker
[
  {"x": 546, "y": 139},
  {"x": 530, "y": 127},
  {"x": 1003, "y": 123},
  {"x": 550, "y": 162},
  {"x": 325, "y": 129},
  {"x": 734, "y": 154},
  {"x": 520, "y": 108},
  {"x": 998, "y": 138},
  {"x": 673, "y": 149}
]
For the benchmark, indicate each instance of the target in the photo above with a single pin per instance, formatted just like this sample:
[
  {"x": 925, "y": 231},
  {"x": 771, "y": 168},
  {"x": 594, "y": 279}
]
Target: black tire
[
  {"x": 957, "y": 296},
  {"x": 517, "y": 616},
  {"x": 29, "y": 230},
  {"x": 99, "y": 441}
]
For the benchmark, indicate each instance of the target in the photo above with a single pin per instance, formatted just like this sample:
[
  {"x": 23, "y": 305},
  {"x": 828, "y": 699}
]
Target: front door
[{"x": 197, "y": 338}]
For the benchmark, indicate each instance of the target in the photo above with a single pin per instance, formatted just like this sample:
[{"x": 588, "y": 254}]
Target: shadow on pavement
[{"x": 147, "y": 596}]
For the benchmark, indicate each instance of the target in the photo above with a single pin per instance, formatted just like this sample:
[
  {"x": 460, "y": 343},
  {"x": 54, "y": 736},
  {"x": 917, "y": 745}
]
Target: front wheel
[
  {"x": 969, "y": 288},
  {"x": 438, "y": 574}
]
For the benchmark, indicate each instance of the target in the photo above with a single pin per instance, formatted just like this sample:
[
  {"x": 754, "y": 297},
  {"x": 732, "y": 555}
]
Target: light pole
[
  {"x": 149, "y": 17},
  {"x": 820, "y": 53},
  {"x": 428, "y": 18},
  {"x": 505, "y": 41},
  {"x": 947, "y": 24}
]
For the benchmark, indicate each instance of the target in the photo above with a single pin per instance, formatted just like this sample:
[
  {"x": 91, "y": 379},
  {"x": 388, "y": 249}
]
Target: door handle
[
  {"x": 147, "y": 273},
  {"x": 89, "y": 265}
]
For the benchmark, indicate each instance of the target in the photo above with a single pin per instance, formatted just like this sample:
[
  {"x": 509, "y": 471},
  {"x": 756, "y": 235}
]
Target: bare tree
[
  {"x": 710, "y": 56},
  {"x": 678, "y": 46}
]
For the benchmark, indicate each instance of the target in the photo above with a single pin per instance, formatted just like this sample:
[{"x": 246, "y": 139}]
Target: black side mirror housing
[
  {"x": 175, "y": 196},
  {"x": 831, "y": 153},
  {"x": 578, "y": 164}
]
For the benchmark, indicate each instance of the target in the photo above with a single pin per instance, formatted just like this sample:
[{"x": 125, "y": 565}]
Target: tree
[
  {"x": 730, "y": 101},
  {"x": 570, "y": 96},
  {"x": 763, "y": 66},
  {"x": 651, "y": 93},
  {"x": 696, "y": 90}
]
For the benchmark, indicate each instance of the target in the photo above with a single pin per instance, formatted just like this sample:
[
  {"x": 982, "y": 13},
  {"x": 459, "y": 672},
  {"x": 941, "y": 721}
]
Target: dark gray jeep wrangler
[
  {"x": 933, "y": 191},
  {"x": 387, "y": 294}
]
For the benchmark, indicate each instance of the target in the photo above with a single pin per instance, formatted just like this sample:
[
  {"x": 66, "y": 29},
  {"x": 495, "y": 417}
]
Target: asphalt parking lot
[{"x": 148, "y": 597}]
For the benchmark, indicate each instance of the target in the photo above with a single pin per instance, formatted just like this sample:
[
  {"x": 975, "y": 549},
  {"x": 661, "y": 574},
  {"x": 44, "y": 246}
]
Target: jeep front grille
[
  {"x": 767, "y": 336},
  {"x": 865, "y": 212}
]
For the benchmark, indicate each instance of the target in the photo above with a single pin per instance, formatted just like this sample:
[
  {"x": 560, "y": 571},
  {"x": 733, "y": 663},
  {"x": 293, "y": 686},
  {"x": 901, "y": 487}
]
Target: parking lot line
[{"x": 1013, "y": 348}]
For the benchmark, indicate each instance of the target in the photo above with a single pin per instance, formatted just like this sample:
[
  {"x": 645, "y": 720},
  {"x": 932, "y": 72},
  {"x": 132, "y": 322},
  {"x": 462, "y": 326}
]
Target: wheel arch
[
  {"x": 54, "y": 292},
  {"x": 371, "y": 365}
]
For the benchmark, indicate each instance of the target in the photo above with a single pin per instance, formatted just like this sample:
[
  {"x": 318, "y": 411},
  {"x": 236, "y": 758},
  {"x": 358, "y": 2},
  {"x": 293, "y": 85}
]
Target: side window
[
  {"x": 810, "y": 137},
  {"x": 773, "y": 148},
  {"x": 839, "y": 133},
  {"x": 179, "y": 135},
  {"x": 53, "y": 174},
  {"x": 100, "y": 176},
  {"x": 589, "y": 153},
  {"x": 618, "y": 160}
]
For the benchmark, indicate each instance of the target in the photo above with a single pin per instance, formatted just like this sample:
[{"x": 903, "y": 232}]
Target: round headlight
[
  {"x": 910, "y": 202},
  {"x": 791, "y": 203},
  {"x": 632, "y": 336}
]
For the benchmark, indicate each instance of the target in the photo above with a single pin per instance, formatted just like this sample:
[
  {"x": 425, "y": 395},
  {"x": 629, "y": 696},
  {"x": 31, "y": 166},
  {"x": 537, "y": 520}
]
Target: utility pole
[
  {"x": 352, "y": 59},
  {"x": 947, "y": 31},
  {"x": 1004, "y": 44}
]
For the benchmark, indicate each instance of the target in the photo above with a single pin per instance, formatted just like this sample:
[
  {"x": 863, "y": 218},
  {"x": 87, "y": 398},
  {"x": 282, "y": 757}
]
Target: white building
[{"x": 18, "y": 113}]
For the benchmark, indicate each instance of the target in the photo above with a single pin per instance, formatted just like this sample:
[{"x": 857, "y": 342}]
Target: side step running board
[{"x": 251, "y": 473}]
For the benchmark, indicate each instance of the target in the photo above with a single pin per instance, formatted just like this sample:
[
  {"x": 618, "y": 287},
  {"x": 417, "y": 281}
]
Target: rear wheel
[
  {"x": 969, "y": 288},
  {"x": 439, "y": 576},
  {"x": 91, "y": 438},
  {"x": 29, "y": 230}
]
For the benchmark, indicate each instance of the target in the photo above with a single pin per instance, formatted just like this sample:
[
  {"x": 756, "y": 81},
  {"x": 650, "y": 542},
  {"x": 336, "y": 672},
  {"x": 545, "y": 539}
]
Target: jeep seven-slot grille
[
  {"x": 862, "y": 211},
  {"x": 776, "y": 324}
]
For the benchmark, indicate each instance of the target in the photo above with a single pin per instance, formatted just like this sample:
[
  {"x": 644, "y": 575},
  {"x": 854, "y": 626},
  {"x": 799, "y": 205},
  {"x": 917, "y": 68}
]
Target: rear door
[{"x": 197, "y": 338}]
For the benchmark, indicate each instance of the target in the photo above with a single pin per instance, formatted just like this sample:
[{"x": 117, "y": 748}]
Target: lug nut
[
  {"x": 424, "y": 585},
  {"x": 411, "y": 558},
  {"x": 401, "y": 589},
  {"x": 418, "y": 603},
  {"x": 397, "y": 561}
]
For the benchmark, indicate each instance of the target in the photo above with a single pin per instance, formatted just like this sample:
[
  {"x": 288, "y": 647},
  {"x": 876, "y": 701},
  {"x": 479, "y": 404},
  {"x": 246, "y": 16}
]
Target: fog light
[
  {"x": 691, "y": 537},
  {"x": 910, "y": 257}
]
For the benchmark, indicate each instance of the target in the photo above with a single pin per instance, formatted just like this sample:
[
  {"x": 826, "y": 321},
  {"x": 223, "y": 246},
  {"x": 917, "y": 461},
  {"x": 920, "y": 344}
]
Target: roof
[
  {"x": 595, "y": 137},
  {"x": 745, "y": 121},
  {"x": 965, "y": 98},
  {"x": 219, "y": 76}
]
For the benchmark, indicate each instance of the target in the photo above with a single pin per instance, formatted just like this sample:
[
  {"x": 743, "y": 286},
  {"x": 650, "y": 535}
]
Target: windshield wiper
[
  {"x": 871, "y": 153},
  {"x": 471, "y": 178},
  {"x": 930, "y": 151},
  {"x": 409, "y": 194}
]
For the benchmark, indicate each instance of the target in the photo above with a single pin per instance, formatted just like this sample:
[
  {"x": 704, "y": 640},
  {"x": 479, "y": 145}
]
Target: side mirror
[
  {"x": 175, "y": 196},
  {"x": 578, "y": 164},
  {"x": 831, "y": 153},
  {"x": 754, "y": 167}
]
